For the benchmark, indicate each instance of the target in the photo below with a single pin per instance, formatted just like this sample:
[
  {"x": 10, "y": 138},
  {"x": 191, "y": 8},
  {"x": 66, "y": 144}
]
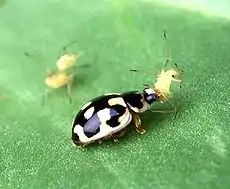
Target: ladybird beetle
[{"x": 107, "y": 116}]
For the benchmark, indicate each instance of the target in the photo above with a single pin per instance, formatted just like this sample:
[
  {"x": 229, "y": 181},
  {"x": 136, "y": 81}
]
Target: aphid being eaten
[
  {"x": 165, "y": 78},
  {"x": 164, "y": 81}
]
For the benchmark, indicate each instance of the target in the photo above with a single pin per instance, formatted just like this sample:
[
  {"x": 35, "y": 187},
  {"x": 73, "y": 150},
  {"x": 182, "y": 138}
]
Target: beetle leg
[
  {"x": 137, "y": 123},
  {"x": 83, "y": 144},
  {"x": 114, "y": 136},
  {"x": 49, "y": 72},
  {"x": 118, "y": 135}
]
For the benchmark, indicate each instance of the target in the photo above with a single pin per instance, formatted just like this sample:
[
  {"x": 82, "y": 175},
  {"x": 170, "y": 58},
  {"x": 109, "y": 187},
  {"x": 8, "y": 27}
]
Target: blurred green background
[{"x": 36, "y": 150}]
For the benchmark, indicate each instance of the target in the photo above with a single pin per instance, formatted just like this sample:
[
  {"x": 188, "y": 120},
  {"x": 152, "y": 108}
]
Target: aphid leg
[
  {"x": 69, "y": 93},
  {"x": 79, "y": 54},
  {"x": 137, "y": 123},
  {"x": 175, "y": 110},
  {"x": 179, "y": 102},
  {"x": 69, "y": 86},
  {"x": 167, "y": 111},
  {"x": 44, "y": 96},
  {"x": 49, "y": 72}
]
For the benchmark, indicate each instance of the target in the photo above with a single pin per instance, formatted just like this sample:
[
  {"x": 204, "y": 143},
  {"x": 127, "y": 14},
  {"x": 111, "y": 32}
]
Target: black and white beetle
[{"x": 108, "y": 115}]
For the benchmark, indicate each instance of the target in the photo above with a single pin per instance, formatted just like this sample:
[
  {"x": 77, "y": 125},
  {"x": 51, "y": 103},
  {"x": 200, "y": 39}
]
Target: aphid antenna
[
  {"x": 64, "y": 48},
  {"x": 142, "y": 71},
  {"x": 168, "y": 59}
]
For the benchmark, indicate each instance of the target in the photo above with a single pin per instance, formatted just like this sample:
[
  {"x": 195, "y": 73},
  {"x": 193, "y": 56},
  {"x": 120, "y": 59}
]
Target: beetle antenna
[{"x": 146, "y": 85}]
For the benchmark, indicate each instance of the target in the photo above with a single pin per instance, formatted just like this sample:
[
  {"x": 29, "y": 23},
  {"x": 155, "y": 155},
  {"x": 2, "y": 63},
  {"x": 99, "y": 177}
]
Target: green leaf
[{"x": 36, "y": 150}]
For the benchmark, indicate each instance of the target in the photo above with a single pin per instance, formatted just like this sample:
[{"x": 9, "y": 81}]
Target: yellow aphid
[
  {"x": 164, "y": 81},
  {"x": 165, "y": 78},
  {"x": 60, "y": 79},
  {"x": 66, "y": 61}
]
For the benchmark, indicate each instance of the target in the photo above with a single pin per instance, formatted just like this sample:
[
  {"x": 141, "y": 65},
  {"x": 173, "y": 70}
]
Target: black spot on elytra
[
  {"x": 116, "y": 112},
  {"x": 92, "y": 126},
  {"x": 134, "y": 99},
  {"x": 98, "y": 103},
  {"x": 91, "y": 134},
  {"x": 101, "y": 103},
  {"x": 79, "y": 119},
  {"x": 75, "y": 138}
]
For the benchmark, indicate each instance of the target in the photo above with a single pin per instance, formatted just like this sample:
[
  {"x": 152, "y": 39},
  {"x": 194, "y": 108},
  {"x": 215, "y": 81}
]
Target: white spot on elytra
[
  {"x": 88, "y": 114},
  {"x": 105, "y": 129},
  {"x": 104, "y": 115},
  {"x": 116, "y": 101},
  {"x": 76, "y": 128},
  {"x": 86, "y": 105}
]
